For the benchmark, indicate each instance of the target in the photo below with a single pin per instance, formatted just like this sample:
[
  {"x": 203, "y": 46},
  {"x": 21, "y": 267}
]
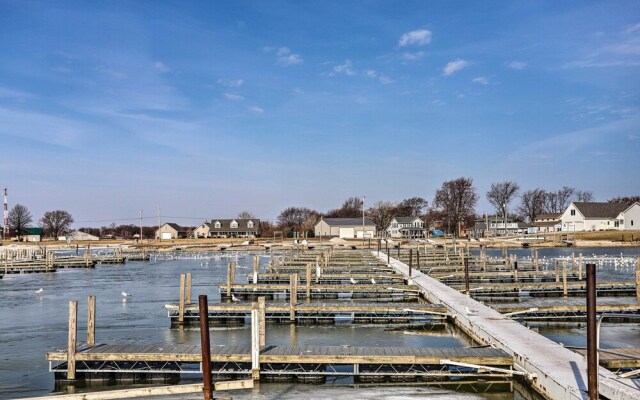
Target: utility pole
[
  {"x": 5, "y": 233},
  {"x": 159, "y": 222},
  {"x": 362, "y": 221},
  {"x": 140, "y": 226}
]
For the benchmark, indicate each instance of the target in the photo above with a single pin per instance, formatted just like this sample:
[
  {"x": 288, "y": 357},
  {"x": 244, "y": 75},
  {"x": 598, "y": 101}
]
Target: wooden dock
[
  {"x": 351, "y": 291},
  {"x": 138, "y": 362},
  {"x": 570, "y": 309},
  {"x": 313, "y": 313}
]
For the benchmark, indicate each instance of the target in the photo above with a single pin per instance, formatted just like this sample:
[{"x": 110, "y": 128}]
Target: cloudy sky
[{"x": 210, "y": 108}]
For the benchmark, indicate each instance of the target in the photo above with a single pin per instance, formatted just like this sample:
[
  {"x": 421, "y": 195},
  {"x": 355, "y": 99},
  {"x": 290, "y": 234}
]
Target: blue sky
[{"x": 211, "y": 108}]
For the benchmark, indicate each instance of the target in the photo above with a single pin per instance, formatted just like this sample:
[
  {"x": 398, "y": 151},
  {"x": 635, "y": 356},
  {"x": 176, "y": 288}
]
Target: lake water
[{"x": 32, "y": 324}]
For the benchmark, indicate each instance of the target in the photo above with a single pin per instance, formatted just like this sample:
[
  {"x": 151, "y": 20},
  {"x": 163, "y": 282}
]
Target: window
[
  {"x": 250, "y": 224},
  {"x": 234, "y": 224},
  {"x": 217, "y": 225},
  {"x": 573, "y": 212}
]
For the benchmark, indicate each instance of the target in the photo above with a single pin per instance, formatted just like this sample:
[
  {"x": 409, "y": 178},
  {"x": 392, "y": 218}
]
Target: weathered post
[
  {"x": 271, "y": 256},
  {"x": 410, "y": 262},
  {"x": 580, "y": 267},
  {"x": 564, "y": 279},
  {"x": 555, "y": 266},
  {"x": 387, "y": 249},
  {"x": 638, "y": 279},
  {"x": 234, "y": 265},
  {"x": 399, "y": 244},
  {"x": 317, "y": 270},
  {"x": 466, "y": 275},
  {"x": 263, "y": 328},
  {"x": 256, "y": 269},
  {"x": 71, "y": 345},
  {"x": 229, "y": 279},
  {"x": 91, "y": 321},
  {"x": 515, "y": 272},
  {"x": 379, "y": 247},
  {"x": 188, "y": 288},
  {"x": 181, "y": 300},
  {"x": 203, "y": 306},
  {"x": 293, "y": 296},
  {"x": 308, "y": 282},
  {"x": 592, "y": 349},
  {"x": 255, "y": 342},
  {"x": 418, "y": 258}
]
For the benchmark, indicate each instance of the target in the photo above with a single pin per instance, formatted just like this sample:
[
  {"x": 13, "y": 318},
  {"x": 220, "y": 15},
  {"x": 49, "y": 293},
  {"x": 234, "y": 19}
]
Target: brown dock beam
[
  {"x": 592, "y": 346},
  {"x": 466, "y": 275},
  {"x": 203, "y": 305},
  {"x": 181, "y": 300},
  {"x": 91, "y": 321}
]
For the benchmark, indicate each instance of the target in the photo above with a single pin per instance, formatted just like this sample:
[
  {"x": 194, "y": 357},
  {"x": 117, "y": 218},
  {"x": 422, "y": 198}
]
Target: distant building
[
  {"x": 171, "y": 231},
  {"x": 593, "y": 216},
  {"x": 347, "y": 228},
  {"x": 545, "y": 223},
  {"x": 78, "y": 235},
  {"x": 406, "y": 227},
  {"x": 32, "y": 234},
  {"x": 202, "y": 231},
  {"x": 495, "y": 225},
  {"x": 227, "y": 228}
]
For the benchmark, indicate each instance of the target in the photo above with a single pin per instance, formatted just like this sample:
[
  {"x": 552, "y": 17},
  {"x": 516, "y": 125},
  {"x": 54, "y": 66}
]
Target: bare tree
[
  {"x": 624, "y": 199},
  {"x": 297, "y": 218},
  {"x": 557, "y": 202},
  {"x": 19, "y": 219},
  {"x": 351, "y": 208},
  {"x": 56, "y": 223},
  {"x": 501, "y": 194},
  {"x": 413, "y": 207},
  {"x": 532, "y": 204},
  {"x": 246, "y": 215},
  {"x": 457, "y": 199},
  {"x": 381, "y": 213},
  {"x": 584, "y": 195}
]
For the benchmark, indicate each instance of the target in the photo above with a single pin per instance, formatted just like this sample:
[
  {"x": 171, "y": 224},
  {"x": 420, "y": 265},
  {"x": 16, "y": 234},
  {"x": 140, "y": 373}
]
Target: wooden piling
[
  {"x": 263, "y": 328},
  {"x": 466, "y": 275},
  {"x": 71, "y": 345},
  {"x": 308, "y": 282},
  {"x": 592, "y": 345},
  {"x": 317, "y": 270},
  {"x": 410, "y": 262},
  {"x": 515, "y": 272},
  {"x": 565, "y": 292},
  {"x": 229, "y": 279},
  {"x": 293, "y": 296},
  {"x": 555, "y": 266},
  {"x": 188, "y": 288},
  {"x": 255, "y": 342},
  {"x": 181, "y": 299},
  {"x": 638, "y": 279},
  {"x": 91, "y": 321},
  {"x": 256, "y": 269},
  {"x": 580, "y": 267}
]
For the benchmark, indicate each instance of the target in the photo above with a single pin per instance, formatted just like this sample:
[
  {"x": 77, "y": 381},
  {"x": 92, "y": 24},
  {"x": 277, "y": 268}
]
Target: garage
[
  {"x": 367, "y": 234},
  {"x": 347, "y": 232},
  {"x": 166, "y": 235}
]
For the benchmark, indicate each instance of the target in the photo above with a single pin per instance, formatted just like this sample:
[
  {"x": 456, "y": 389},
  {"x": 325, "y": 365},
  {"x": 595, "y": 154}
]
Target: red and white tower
[{"x": 5, "y": 233}]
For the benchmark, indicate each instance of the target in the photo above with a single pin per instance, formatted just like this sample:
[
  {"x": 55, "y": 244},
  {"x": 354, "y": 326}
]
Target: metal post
[
  {"x": 203, "y": 305},
  {"x": 410, "y": 262},
  {"x": 592, "y": 349}
]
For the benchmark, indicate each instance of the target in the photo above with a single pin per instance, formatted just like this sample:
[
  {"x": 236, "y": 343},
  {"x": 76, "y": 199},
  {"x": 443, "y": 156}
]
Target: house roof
[
  {"x": 348, "y": 221},
  {"x": 176, "y": 227},
  {"x": 225, "y": 224},
  {"x": 406, "y": 220},
  {"x": 548, "y": 216},
  {"x": 600, "y": 210}
]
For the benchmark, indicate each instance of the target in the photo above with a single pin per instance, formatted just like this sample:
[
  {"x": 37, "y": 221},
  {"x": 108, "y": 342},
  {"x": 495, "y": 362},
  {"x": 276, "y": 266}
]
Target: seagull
[
  {"x": 470, "y": 312},
  {"x": 234, "y": 298},
  {"x": 373, "y": 281},
  {"x": 353, "y": 281},
  {"x": 39, "y": 291},
  {"x": 125, "y": 294}
]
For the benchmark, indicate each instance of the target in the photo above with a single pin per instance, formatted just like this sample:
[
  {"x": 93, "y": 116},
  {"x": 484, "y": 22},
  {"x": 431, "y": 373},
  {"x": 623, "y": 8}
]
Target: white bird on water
[
  {"x": 39, "y": 291},
  {"x": 353, "y": 281},
  {"x": 125, "y": 294},
  {"x": 234, "y": 298},
  {"x": 373, "y": 281}
]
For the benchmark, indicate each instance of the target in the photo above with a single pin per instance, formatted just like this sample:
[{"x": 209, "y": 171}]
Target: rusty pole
[
  {"x": 206, "y": 346},
  {"x": 592, "y": 349},
  {"x": 466, "y": 275}
]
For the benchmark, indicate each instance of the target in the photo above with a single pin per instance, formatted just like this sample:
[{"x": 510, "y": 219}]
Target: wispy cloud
[
  {"x": 285, "y": 56},
  {"x": 111, "y": 72},
  {"x": 60, "y": 131},
  {"x": 481, "y": 80},
  {"x": 161, "y": 67},
  {"x": 454, "y": 66},
  {"x": 517, "y": 65},
  {"x": 632, "y": 29},
  {"x": 231, "y": 83},
  {"x": 233, "y": 96},
  {"x": 369, "y": 73},
  {"x": 385, "y": 80},
  {"x": 256, "y": 109},
  {"x": 15, "y": 94},
  {"x": 346, "y": 68},
  {"x": 382, "y": 78},
  {"x": 418, "y": 37},
  {"x": 415, "y": 56}
]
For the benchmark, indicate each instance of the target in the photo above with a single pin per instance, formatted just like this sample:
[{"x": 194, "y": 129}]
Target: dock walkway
[{"x": 556, "y": 371}]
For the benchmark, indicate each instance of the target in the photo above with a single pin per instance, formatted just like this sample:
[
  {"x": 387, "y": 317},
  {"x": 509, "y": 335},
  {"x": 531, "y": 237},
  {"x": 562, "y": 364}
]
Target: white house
[
  {"x": 406, "y": 227},
  {"x": 546, "y": 223},
  {"x": 591, "y": 216},
  {"x": 629, "y": 219},
  {"x": 202, "y": 231},
  {"x": 171, "y": 231},
  {"x": 346, "y": 228}
]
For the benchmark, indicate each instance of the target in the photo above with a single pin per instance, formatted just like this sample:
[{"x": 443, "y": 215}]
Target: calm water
[{"x": 33, "y": 324}]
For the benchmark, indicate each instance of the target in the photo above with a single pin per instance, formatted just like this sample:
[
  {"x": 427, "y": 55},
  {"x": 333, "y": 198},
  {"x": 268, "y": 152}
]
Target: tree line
[{"x": 54, "y": 223}]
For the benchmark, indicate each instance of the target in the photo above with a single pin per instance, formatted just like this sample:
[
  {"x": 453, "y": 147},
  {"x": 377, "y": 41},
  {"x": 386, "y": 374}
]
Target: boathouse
[
  {"x": 346, "y": 228},
  {"x": 592, "y": 216}
]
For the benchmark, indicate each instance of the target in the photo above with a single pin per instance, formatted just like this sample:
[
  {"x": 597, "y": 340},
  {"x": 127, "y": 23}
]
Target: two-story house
[{"x": 406, "y": 227}]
